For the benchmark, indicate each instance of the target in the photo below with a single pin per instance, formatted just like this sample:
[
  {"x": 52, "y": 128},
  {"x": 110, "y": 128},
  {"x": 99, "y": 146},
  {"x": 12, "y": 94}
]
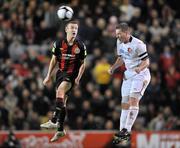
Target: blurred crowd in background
[{"x": 27, "y": 31}]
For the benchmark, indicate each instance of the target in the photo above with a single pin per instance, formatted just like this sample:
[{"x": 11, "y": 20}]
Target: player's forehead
[
  {"x": 119, "y": 30},
  {"x": 72, "y": 25}
]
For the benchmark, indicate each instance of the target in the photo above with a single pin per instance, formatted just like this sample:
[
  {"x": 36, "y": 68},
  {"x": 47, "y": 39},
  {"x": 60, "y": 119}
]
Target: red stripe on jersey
[
  {"x": 72, "y": 62},
  {"x": 63, "y": 51}
]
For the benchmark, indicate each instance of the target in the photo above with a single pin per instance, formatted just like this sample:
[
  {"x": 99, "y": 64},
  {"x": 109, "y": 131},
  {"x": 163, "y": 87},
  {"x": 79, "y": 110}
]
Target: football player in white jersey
[{"x": 132, "y": 52}]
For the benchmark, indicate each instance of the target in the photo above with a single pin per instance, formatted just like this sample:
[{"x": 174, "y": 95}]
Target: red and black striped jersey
[{"x": 70, "y": 57}]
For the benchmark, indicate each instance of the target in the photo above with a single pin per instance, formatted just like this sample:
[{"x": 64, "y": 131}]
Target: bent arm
[{"x": 144, "y": 64}]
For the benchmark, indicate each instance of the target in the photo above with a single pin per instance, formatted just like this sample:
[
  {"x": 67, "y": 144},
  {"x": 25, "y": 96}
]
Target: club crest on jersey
[
  {"x": 129, "y": 50},
  {"x": 77, "y": 50}
]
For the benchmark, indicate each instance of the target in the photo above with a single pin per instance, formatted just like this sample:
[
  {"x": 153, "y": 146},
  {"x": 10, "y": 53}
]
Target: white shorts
[{"x": 135, "y": 84}]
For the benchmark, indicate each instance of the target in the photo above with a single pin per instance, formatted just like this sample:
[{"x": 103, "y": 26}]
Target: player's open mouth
[{"x": 74, "y": 33}]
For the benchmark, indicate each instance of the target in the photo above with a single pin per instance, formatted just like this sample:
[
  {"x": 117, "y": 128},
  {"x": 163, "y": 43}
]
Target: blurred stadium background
[{"x": 27, "y": 31}]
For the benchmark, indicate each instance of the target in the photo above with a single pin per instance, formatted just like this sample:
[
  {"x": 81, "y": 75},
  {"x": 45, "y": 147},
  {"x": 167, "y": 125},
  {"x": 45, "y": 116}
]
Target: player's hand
[
  {"x": 137, "y": 70},
  {"x": 110, "y": 71},
  {"x": 46, "y": 81},
  {"x": 77, "y": 81}
]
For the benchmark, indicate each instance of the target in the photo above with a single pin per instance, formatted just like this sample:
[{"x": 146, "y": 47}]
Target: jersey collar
[
  {"x": 130, "y": 39},
  {"x": 68, "y": 43}
]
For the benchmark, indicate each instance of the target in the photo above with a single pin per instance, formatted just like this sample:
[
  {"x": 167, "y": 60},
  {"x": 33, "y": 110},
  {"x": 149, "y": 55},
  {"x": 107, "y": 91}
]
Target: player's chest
[
  {"x": 128, "y": 51},
  {"x": 69, "y": 52}
]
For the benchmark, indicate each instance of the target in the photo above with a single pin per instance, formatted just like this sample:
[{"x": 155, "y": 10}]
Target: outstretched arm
[
  {"x": 119, "y": 62},
  {"x": 50, "y": 70}
]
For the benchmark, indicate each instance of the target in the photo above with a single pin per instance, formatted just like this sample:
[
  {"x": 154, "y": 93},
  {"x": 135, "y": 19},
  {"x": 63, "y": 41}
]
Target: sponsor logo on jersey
[
  {"x": 129, "y": 50},
  {"x": 77, "y": 50}
]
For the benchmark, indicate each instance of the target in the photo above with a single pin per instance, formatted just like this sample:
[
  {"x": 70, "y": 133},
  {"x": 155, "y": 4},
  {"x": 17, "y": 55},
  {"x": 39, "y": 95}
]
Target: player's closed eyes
[{"x": 75, "y": 28}]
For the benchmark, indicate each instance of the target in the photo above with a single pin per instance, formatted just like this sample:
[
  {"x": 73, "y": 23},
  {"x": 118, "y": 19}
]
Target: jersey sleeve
[
  {"x": 83, "y": 53},
  {"x": 56, "y": 48},
  {"x": 142, "y": 51}
]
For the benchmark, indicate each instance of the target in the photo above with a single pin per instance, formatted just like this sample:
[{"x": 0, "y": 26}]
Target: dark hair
[
  {"x": 72, "y": 22},
  {"x": 123, "y": 26}
]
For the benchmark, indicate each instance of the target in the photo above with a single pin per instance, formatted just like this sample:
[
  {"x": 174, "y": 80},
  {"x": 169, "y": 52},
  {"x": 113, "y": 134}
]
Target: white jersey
[{"x": 132, "y": 52}]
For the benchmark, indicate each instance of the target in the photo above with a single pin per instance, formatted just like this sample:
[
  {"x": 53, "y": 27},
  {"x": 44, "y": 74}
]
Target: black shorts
[{"x": 63, "y": 76}]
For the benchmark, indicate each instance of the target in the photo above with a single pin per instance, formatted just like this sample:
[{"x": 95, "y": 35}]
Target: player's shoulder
[
  {"x": 136, "y": 40},
  {"x": 80, "y": 43},
  {"x": 118, "y": 42},
  {"x": 58, "y": 43}
]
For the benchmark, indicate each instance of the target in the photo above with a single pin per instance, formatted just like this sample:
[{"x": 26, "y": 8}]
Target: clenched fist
[
  {"x": 110, "y": 71},
  {"x": 46, "y": 80}
]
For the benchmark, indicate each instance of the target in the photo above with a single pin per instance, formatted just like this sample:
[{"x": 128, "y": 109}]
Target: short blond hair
[
  {"x": 72, "y": 22},
  {"x": 123, "y": 26}
]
